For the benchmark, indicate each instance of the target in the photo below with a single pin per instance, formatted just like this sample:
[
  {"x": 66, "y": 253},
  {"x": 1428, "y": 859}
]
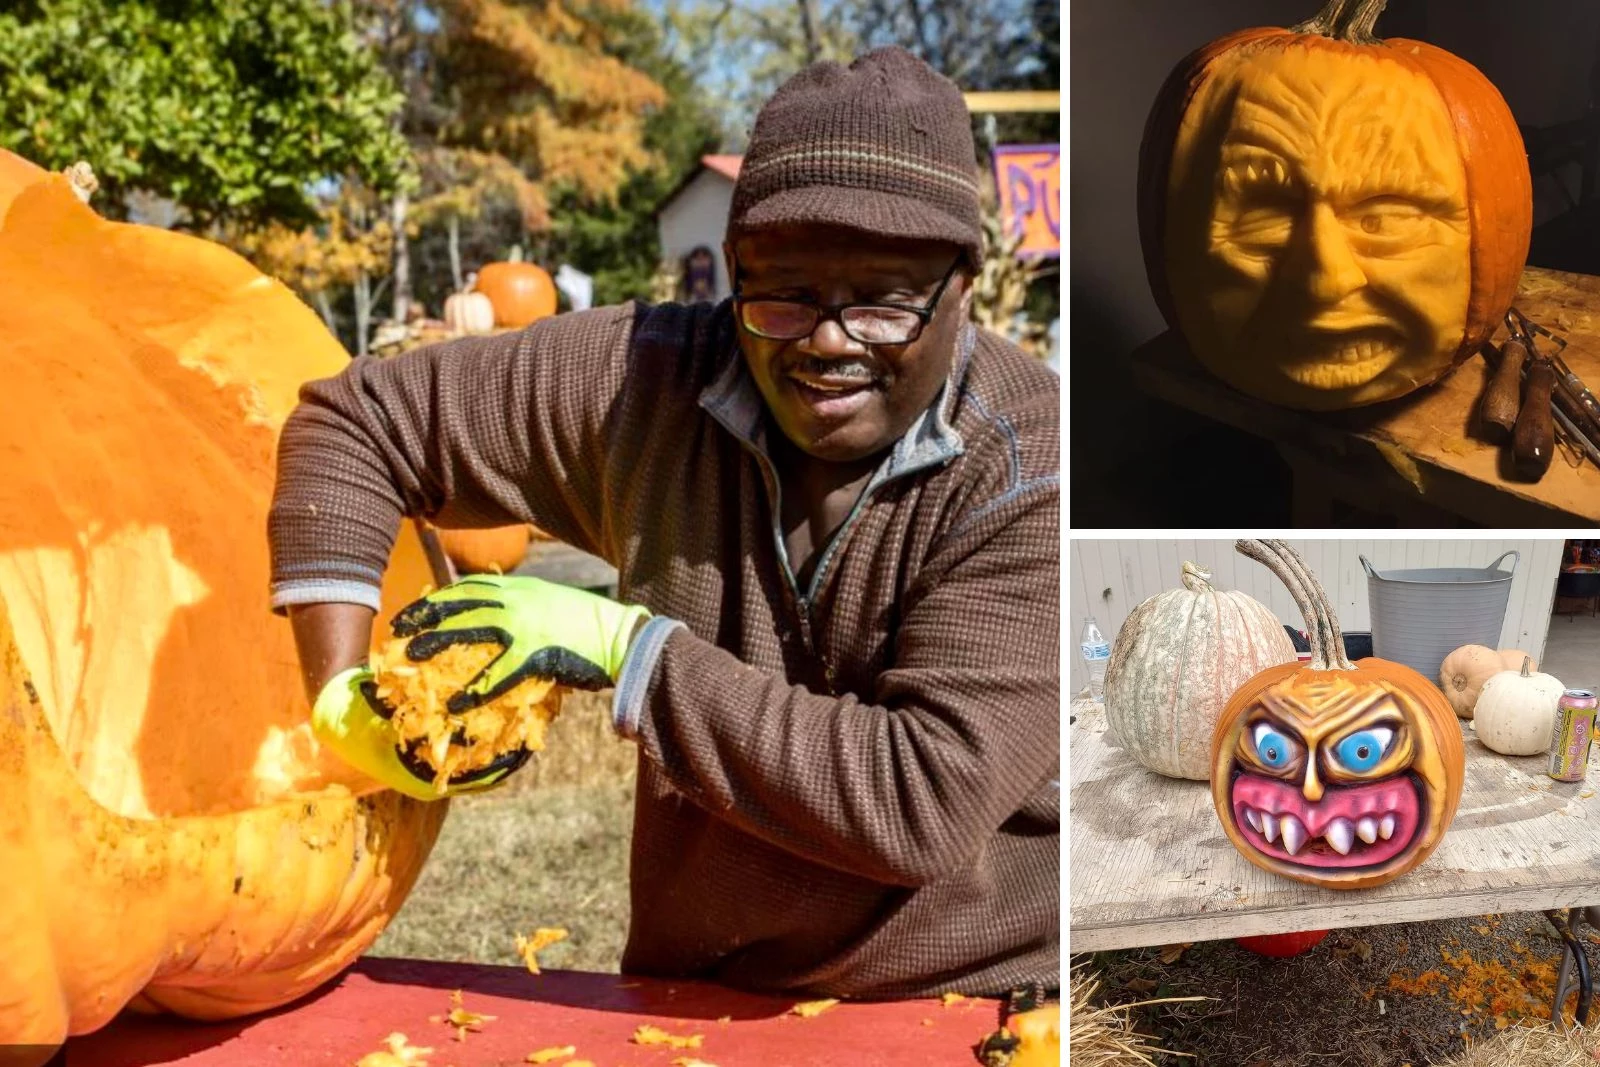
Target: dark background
[{"x": 1138, "y": 462}]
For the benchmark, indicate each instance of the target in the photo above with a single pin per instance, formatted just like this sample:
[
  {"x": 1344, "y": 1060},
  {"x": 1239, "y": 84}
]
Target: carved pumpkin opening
[
  {"x": 138, "y": 422},
  {"x": 177, "y": 843}
]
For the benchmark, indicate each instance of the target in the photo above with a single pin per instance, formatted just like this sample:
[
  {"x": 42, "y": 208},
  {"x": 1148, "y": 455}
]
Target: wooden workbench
[
  {"x": 1150, "y": 864},
  {"x": 597, "y": 1013},
  {"x": 1414, "y": 457}
]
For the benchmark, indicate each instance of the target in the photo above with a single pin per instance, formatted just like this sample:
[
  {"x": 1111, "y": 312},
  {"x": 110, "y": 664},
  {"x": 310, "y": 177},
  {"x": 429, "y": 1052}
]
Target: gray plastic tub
[{"x": 1420, "y": 616}]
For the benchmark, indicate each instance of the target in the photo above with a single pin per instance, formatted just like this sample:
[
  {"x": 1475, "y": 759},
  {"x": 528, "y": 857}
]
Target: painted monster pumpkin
[
  {"x": 1329, "y": 219},
  {"x": 1344, "y": 775}
]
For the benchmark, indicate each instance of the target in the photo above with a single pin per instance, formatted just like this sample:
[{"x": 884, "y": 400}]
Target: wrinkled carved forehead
[
  {"x": 1345, "y": 122},
  {"x": 1316, "y": 705}
]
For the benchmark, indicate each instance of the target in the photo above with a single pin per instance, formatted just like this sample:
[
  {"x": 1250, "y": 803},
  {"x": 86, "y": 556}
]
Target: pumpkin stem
[
  {"x": 1350, "y": 21},
  {"x": 1526, "y": 660},
  {"x": 1332, "y": 635},
  {"x": 1323, "y": 23},
  {"x": 1358, "y": 25},
  {"x": 1327, "y": 643},
  {"x": 1196, "y": 578}
]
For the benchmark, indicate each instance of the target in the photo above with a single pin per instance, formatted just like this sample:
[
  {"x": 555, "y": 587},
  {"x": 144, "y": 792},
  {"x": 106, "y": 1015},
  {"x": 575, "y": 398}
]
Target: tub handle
[
  {"x": 1516, "y": 558},
  {"x": 1371, "y": 571}
]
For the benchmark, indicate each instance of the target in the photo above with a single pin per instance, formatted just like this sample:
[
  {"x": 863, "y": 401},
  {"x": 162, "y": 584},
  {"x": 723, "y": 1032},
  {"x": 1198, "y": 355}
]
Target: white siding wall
[
  {"x": 1110, "y": 578},
  {"x": 699, "y": 216}
]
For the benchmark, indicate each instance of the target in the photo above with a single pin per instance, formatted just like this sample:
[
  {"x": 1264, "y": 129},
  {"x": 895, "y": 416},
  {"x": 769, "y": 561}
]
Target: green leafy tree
[{"x": 233, "y": 109}]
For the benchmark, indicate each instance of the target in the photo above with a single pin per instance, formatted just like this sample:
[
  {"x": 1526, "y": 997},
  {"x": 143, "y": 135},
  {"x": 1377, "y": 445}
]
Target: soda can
[{"x": 1569, "y": 744}]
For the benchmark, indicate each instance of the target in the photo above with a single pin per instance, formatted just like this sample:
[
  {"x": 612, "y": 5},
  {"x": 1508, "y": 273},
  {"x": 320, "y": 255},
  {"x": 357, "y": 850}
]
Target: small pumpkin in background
[
  {"x": 1177, "y": 658},
  {"x": 1282, "y": 946},
  {"x": 1330, "y": 219},
  {"x": 1517, "y": 711},
  {"x": 1343, "y": 775},
  {"x": 522, "y": 293},
  {"x": 468, "y": 313},
  {"x": 1464, "y": 671},
  {"x": 496, "y": 550}
]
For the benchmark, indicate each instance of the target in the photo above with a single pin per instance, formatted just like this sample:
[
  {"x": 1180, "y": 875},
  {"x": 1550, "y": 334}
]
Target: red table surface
[{"x": 595, "y": 1012}]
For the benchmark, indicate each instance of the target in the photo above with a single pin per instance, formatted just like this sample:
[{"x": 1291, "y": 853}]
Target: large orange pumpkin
[
  {"x": 173, "y": 838},
  {"x": 1340, "y": 774},
  {"x": 1329, "y": 219},
  {"x": 522, "y": 293}
]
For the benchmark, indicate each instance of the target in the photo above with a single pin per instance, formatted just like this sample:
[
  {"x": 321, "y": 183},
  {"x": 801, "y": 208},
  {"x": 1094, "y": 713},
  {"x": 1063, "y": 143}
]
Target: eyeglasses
[{"x": 869, "y": 323}]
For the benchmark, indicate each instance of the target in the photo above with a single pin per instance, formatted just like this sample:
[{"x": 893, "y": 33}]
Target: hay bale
[
  {"x": 1532, "y": 1046},
  {"x": 1104, "y": 1036}
]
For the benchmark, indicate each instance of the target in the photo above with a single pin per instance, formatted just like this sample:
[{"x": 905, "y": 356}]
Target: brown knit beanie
[{"x": 883, "y": 146}]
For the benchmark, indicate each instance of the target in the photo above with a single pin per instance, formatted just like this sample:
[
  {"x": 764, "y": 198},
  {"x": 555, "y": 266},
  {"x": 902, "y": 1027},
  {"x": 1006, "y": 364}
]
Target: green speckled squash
[{"x": 1177, "y": 659}]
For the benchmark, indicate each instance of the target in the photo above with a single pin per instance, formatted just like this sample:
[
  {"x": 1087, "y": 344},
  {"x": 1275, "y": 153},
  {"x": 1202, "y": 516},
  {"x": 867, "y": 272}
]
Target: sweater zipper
[{"x": 800, "y": 602}]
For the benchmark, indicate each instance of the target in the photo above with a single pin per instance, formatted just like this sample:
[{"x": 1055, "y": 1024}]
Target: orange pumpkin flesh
[
  {"x": 1331, "y": 220},
  {"x": 522, "y": 293},
  {"x": 1343, "y": 775},
  {"x": 174, "y": 838}
]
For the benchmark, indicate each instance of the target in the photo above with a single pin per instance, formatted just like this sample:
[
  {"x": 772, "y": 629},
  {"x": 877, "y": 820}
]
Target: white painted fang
[
  {"x": 1294, "y": 834},
  {"x": 1386, "y": 827},
  {"x": 1367, "y": 829},
  {"x": 1341, "y": 835}
]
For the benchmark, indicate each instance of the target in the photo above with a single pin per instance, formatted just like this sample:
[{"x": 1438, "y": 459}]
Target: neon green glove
[
  {"x": 543, "y": 629},
  {"x": 351, "y": 721}
]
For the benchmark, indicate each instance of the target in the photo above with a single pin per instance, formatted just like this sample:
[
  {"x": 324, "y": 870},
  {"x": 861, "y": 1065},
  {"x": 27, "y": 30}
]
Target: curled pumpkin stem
[
  {"x": 1332, "y": 635},
  {"x": 1322, "y": 626}
]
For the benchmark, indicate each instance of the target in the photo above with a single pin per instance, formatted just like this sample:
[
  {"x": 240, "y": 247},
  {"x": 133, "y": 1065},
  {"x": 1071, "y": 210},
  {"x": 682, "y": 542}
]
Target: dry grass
[
  {"x": 1529, "y": 1046},
  {"x": 580, "y": 749},
  {"x": 1105, "y": 1036},
  {"x": 549, "y": 848}
]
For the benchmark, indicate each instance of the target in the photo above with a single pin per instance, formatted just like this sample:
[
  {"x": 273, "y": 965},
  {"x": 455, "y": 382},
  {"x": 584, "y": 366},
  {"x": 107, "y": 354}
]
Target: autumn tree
[
  {"x": 232, "y": 109},
  {"x": 509, "y": 104},
  {"x": 616, "y": 239}
]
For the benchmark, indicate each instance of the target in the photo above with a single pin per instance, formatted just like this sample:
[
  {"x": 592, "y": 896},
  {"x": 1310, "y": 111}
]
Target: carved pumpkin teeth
[
  {"x": 1269, "y": 827},
  {"x": 1294, "y": 834},
  {"x": 1341, "y": 835},
  {"x": 1386, "y": 827},
  {"x": 1253, "y": 817},
  {"x": 1367, "y": 829}
]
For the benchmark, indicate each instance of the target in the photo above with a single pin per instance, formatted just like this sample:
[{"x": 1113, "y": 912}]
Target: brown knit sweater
[{"x": 851, "y": 789}]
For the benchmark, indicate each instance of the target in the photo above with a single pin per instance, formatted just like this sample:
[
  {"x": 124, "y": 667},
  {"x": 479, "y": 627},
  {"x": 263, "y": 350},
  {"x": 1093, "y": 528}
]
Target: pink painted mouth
[{"x": 1351, "y": 826}]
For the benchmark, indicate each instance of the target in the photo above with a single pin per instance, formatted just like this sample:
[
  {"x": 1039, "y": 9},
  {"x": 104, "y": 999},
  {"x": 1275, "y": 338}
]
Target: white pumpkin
[
  {"x": 1516, "y": 713},
  {"x": 1464, "y": 671},
  {"x": 469, "y": 313},
  {"x": 1177, "y": 659}
]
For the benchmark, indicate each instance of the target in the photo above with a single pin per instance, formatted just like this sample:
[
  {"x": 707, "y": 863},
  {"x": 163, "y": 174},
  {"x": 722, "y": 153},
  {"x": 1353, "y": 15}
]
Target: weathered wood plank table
[
  {"x": 1413, "y": 458},
  {"x": 1151, "y": 866},
  {"x": 596, "y": 1013}
]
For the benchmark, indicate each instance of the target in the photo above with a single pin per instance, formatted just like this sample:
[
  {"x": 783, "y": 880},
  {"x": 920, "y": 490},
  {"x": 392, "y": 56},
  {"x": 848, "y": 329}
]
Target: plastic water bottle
[{"x": 1096, "y": 654}]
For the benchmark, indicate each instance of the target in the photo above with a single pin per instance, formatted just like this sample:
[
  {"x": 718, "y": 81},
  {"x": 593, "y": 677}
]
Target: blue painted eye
[
  {"x": 1362, "y": 750},
  {"x": 1273, "y": 748}
]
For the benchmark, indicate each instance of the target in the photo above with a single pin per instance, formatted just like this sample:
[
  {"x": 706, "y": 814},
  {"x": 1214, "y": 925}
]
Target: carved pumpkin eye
[
  {"x": 1362, "y": 750},
  {"x": 1273, "y": 748}
]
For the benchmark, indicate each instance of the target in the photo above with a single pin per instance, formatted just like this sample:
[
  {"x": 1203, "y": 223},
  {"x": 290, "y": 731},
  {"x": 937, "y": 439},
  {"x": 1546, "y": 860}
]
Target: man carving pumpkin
[{"x": 832, "y": 503}]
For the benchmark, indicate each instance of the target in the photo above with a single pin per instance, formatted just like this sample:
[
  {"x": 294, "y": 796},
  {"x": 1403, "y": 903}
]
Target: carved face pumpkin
[
  {"x": 1341, "y": 774},
  {"x": 1328, "y": 219}
]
